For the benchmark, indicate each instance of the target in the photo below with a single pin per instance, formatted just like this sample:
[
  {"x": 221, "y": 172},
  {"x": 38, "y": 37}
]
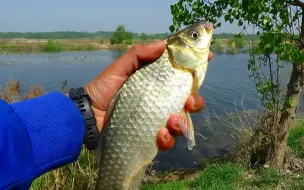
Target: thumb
[
  {"x": 148, "y": 53},
  {"x": 133, "y": 59}
]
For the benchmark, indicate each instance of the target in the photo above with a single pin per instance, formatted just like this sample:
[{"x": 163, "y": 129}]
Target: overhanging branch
[{"x": 299, "y": 3}]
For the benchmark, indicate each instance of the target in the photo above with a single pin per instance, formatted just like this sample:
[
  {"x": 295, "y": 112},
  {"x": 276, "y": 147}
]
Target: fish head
[{"x": 189, "y": 48}]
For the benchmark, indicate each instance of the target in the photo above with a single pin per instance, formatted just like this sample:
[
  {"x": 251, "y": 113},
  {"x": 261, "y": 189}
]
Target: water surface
[{"x": 226, "y": 86}]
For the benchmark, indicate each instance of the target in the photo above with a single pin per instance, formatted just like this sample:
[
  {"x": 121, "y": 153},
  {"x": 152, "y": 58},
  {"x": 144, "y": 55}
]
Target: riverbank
[
  {"x": 9, "y": 46},
  {"x": 222, "y": 173},
  {"x": 216, "y": 174}
]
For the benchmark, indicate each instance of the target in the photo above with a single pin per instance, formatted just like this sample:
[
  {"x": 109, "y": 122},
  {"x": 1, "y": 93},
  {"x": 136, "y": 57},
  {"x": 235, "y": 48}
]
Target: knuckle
[{"x": 136, "y": 48}]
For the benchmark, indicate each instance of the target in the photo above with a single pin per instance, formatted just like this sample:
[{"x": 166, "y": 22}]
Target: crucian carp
[{"x": 144, "y": 103}]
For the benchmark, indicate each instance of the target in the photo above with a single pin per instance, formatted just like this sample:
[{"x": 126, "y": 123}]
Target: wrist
[{"x": 83, "y": 102}]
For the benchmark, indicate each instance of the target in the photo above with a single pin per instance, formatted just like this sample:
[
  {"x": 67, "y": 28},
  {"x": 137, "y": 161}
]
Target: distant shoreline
[
  {"x": 28, "y": 46},
  {"x": 20, "y": 45}
]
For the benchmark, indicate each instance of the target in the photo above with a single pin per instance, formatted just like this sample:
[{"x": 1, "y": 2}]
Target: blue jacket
[{"x": 36, "y": 136}]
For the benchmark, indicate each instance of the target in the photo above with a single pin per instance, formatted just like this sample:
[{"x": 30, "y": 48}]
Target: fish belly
[{"x": 146, "y": 101}]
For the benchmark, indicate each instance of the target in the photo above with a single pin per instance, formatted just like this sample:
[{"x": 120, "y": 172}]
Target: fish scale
[
  {"x": 148, "y": 97},
  {"x": 143, "y": 105}
]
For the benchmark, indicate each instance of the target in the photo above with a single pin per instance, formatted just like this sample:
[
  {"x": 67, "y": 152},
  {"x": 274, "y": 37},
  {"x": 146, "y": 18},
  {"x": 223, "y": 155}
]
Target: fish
[{"x": 145, "y": 102}]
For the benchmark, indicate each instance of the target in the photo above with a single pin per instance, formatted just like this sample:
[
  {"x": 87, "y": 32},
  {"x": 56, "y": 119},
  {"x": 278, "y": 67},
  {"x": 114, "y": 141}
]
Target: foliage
[
  {"x": 55, "y": 35},
  {"x": 219, "y": 176},
  {"x": 240, "y": 42},
  {"x": 52, "y": 46},
  {"x": 167, "y": 186},
  {"x": 269, "y": 177},
  {"x": 121, "y": 36},
  {"x": 278, "y": 23},
  {"x": 96, "y": 35},
  {"x": 217, "y": 46},
  {"x": 144, "y": 36},
  {"x": 13, "y": 93},
  {"x": 296, "y": 140},
  {"x": 232, "y": 46},
  {"x": 79, "y": 175}
]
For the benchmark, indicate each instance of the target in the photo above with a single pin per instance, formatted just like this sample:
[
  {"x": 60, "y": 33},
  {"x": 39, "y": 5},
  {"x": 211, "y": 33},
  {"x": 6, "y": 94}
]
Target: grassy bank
[
  {"x": 44, "y": 45},
  {"x": 215, "y": 174},
  {"x": 229, "y": 176},
  {"x": 33, "y": 46}
]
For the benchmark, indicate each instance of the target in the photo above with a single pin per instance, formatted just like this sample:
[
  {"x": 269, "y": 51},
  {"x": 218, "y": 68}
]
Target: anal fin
[{"x": 187, "y": 129}]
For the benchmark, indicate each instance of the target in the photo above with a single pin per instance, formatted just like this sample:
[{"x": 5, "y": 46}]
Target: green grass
[
  {"x": 265, "y": 178},
  {"x": 296, "y": 140},
  {"x": 168, "y": 186},
  {"x": 229, "y": 176},
  {"x": 79, "y": 175},
  {"x": 218, "y": 174},
  {"x": 223, "y": 175}
]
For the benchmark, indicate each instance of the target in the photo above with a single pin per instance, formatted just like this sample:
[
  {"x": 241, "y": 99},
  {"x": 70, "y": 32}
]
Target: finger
[
  {"x": 134, "y": 58},
  {"x": 210, "y": 55},
  {"x": 148, "y": 53},
  {"x": 165, "y": 140},
  {"x": 174, "y": 125},
  {"x": 194, "y": 103}
]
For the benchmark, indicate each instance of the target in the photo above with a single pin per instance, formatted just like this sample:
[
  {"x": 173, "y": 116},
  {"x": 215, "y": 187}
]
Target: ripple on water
[{"x": 226, "y": 81}]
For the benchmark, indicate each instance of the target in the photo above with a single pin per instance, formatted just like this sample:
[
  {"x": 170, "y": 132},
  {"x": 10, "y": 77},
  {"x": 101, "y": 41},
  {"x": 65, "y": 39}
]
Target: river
[{"x": 226, "y": 85}]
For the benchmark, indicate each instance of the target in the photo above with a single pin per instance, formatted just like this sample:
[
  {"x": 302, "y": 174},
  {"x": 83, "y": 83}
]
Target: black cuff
[{"x": 83, "y": 101}]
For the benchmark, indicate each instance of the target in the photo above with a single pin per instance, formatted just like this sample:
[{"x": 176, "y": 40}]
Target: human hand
[{"x": 102, "y": 88}]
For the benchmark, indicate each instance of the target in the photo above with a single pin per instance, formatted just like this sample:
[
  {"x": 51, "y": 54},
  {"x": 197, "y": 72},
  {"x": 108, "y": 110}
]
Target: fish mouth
[{"x": 207, "y": 25}]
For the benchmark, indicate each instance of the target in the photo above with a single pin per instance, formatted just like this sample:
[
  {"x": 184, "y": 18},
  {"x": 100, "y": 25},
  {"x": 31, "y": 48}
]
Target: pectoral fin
[
  {"x": 195, "y": 82},
  {"x": 187, "y": 129}
]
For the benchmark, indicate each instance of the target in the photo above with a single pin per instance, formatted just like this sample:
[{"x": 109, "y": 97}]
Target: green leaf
[
  {"x": 172, "y": 28},
  {"x": 227, "y": 18}
]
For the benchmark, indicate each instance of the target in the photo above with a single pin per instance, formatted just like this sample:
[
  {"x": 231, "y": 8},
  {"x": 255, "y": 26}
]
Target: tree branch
[
  {"x": 299, "y": 3},
  {"x": 302, "y": 30}
]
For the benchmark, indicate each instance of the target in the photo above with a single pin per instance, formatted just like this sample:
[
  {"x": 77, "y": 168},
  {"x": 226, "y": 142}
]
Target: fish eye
[{"x": 194, "y": 34}]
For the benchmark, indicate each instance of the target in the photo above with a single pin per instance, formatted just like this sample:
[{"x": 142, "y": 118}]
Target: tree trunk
[
  {"x": 294, "y": 89},
  {"x": 269, "y": 142}
]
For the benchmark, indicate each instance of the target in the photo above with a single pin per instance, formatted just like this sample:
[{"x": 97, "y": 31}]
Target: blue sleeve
[{"x": 36, "y": 136}]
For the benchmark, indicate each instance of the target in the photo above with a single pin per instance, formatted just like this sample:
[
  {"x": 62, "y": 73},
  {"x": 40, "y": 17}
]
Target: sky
[{"x": 149, "y": 16}]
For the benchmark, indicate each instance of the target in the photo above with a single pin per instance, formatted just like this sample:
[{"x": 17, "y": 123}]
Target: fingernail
[
  {"x": 167, "y": 137},
  {"x": 179, "y": 122},
  {"x": 197, "y": 103}
]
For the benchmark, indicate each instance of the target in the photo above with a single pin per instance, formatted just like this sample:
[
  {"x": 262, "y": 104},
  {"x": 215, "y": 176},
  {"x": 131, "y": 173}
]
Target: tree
[
  {"x": 232, "y": 46},
  {"x": 280, "y": 26},
  {"x": 143, "y": 36},
  {"x": 217, "y": 46},
  {"x": 121, "y": 36},
  {"x": 52, "y": 46}
]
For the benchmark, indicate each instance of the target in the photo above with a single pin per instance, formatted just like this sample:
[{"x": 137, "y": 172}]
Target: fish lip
[{"x": 207, "y": 25}]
